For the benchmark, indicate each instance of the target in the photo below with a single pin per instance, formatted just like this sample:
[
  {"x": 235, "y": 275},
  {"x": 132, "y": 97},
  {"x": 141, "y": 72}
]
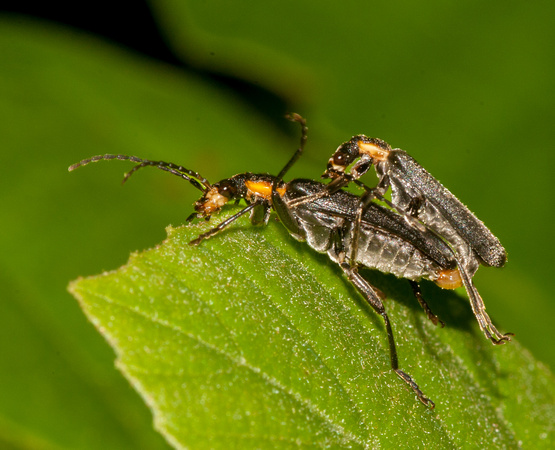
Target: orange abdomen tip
[{"x": 449, "y": 279}]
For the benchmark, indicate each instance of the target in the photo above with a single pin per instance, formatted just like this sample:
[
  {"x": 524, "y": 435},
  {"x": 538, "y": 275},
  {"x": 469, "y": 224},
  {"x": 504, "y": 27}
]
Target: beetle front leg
[{"x": 222, "y": 225}]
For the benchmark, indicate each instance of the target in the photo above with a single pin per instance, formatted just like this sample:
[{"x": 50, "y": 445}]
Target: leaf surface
[{"x": 251, "y": 338}]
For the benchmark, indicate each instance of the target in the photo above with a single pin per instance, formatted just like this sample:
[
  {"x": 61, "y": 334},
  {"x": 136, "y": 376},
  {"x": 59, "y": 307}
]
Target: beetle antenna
[
  {"x": 196, "y": 179},
  {"x": 294, "y": 117}
]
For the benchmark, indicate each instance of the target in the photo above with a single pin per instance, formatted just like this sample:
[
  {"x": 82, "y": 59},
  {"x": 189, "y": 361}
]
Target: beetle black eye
[
  {"x": 340, "y": 159},
  {"x": 227, "y": 189}
]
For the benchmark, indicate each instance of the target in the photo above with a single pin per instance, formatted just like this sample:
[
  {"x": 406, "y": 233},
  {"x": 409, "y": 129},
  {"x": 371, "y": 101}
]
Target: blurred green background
[{"x": 466, "y": 88}]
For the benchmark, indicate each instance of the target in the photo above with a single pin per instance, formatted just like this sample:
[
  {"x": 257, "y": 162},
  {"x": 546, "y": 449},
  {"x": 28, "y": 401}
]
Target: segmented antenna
[
  {"x": 196, "y": 179},
  {"x": 294, "y": 117}
]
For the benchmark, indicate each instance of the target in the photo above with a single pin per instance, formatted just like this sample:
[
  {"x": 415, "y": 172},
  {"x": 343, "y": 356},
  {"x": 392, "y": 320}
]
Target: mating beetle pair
[
  {"x": 419, "y": 195},
  {"x": 355, "y": 231}
]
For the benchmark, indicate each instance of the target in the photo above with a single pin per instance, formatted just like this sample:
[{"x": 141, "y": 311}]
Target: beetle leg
[
  {"x": 365, "y": 200},
  {"x": 415, "y": 205},
  {"x": 371, "y": 295},
  {"x": 479, "y": 310},
  {"x": 222, "y": 225},
  {"x": 418, "y": 294}
]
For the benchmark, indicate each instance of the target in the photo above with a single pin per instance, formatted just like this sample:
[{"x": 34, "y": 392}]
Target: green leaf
[{"x": 252, "y": 339}]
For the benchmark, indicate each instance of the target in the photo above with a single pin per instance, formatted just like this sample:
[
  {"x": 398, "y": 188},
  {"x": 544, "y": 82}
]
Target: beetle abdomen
[{"x": 389, "y": 254}]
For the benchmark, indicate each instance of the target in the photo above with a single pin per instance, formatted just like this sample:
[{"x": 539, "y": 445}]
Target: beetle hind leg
[{"x": 479, "y": 310}]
